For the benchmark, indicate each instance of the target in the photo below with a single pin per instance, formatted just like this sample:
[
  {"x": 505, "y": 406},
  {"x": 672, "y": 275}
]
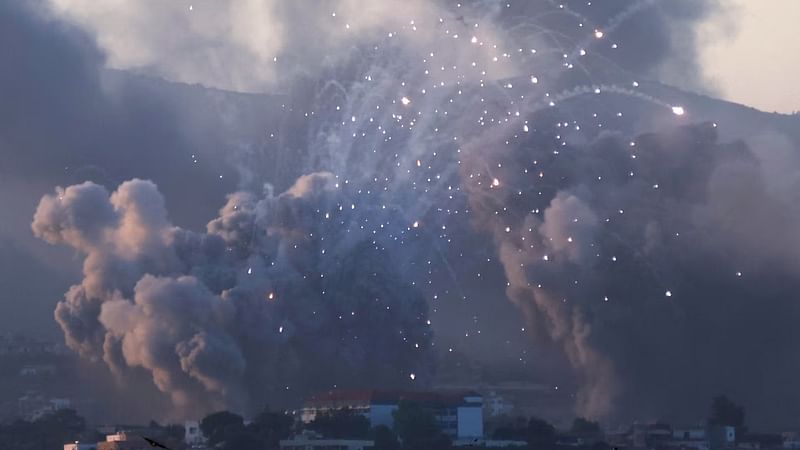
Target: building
[
  {"x": 34, "y": 405},
  {"x": 689, "y": 434},
  {"x": 497, "y": 405},
  {"x": 518, "y": 398},
  {"x": 80, "y": 446},
  {"x": 18, "y": 345},
  {"x": 691, "y": 438},
  {"x": 650, "y": 435},
  {"x": 459, "y": 414},
  {"x": 791, "y": 439},
  {"x": 665, "y": 437},
  {"x": 761, "y": 441},
  {"x": 721, "y": 436},
  {"x": 488, "y": 443},
  {"x": 193, "y": 436},
  {"x": 123, "y": 441},
  {"x": 313, "y": 441},
  {"x": 37, "y": 370}
]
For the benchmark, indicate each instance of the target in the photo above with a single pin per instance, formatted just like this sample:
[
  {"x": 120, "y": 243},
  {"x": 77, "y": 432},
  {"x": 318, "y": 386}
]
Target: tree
[
  {"x": 50, "y": 431},
  {"x": 725, "y": 412},
  {"x": 509, "y": 432},
  {"x": 221, "y": 426},
  {"x": 243, "y": 440},
  {"x": 170, "y": 435},
  {"x": 385, "y": 438},
  {"x": 540, "y": 433},
  {"x": 271, "y": 427},
  {"x": 536, "y": 432},
  {"x": 510, "y": 429},
  {"x": 58, "y": 427},
  {"x": 175, "y": 431},
  {"x": 417, "y": 428},
  {"x": 340, "y": 424},
  {"x": 583, "y": 426},
  {"x": 64, "y": 420},
  {"x": 600, "y": 445}
]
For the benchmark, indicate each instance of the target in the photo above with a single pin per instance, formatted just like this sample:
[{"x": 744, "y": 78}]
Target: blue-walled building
[{"x": 459, "y": 414}]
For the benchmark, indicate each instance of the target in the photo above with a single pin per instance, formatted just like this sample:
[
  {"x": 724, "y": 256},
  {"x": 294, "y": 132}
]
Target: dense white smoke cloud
[
  {"x": 261, "y": 45},
  {"x": 252, "y": 45}
]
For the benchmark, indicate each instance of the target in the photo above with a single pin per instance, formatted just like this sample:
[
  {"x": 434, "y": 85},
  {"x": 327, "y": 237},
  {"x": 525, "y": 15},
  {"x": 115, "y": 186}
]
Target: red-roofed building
[{"x": 459, "y": 414}]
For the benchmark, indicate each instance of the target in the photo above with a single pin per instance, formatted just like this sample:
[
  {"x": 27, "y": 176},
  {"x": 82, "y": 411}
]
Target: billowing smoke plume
[
  {"x": 280, "y": 293},
  {"x": 663, "y": 271},
  {"x": 662, "y": 266}
]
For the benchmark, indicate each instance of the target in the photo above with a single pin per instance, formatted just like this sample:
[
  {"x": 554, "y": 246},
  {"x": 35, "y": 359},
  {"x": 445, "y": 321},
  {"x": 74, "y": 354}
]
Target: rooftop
[{"x": 364, "y": 397}]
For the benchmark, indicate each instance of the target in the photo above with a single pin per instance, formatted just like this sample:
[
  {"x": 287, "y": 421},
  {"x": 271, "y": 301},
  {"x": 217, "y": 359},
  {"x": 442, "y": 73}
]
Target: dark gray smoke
[
  {"x": 281, "y": 293},
  {"x": 66, "y": 119},
  {"x": 666, "y": 271}
]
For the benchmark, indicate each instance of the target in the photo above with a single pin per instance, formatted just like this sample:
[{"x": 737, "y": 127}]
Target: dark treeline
[
  {"x": 50, "y": 431},
  {"x": 57, "y": 428},
  {"x": 414, "y": 428}
]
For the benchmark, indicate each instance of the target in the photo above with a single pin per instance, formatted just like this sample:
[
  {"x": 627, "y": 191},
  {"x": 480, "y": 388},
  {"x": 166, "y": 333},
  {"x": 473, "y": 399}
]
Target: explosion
[
  {"x": 190, "y": 307},
  {"x": 443, "y": 140}
]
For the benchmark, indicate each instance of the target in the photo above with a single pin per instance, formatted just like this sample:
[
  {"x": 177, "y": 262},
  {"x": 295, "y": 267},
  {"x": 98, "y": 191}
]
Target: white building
[
  {"x": 791, "y": 440},
  {"x": 79, "y": 446},
  {"x": 703, "y": 438},
  {"x": 123, "y": 440},
  {"x": 313, "y": 441},
  {"x": 488, "y": 443},
  {"x": 35, "y": 370},
  {"x": 34, "y": 405},
  {"x": 690, "y": 434},
  {"x": 119, "y": 436},
  {"x": 722, "y": 436},
  {"x": 459, "y": 414},
  {"x": 497, "y": 405},
  {"x": 193, "y": 436}
]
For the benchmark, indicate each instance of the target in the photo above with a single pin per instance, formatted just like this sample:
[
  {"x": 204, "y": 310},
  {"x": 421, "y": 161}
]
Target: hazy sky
[{"x": 751, "y": 54}]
